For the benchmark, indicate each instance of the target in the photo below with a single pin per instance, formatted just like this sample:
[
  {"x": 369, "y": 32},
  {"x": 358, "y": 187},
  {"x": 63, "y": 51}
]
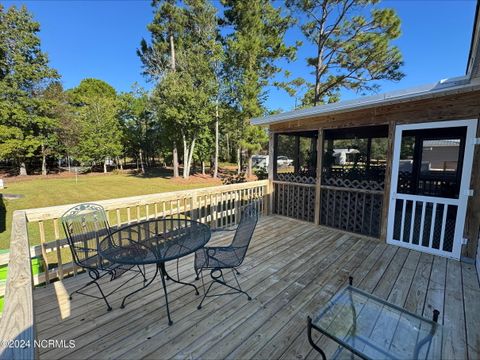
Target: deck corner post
[
  {"x": 388, "y": 180},
  {"x": 271, "y": 170},
  {"x": 318, "y": 180}
]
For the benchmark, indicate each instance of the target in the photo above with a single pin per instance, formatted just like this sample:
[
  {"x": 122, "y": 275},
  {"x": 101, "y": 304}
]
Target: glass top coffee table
[{"x": 372, "y": 328}]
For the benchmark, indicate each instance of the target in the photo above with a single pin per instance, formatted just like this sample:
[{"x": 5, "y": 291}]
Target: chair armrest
[
  {"x": 211, "y": 252},
  {"x": 223, "y": 229}
]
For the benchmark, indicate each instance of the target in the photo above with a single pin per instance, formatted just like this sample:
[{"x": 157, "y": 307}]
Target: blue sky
[{"x": 99, "y": 39}]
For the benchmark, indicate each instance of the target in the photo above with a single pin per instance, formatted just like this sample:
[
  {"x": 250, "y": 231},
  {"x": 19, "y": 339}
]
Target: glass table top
[{"x": 374, "y": 329}]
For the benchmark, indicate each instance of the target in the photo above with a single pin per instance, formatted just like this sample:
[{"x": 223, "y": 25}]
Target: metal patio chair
[
  {"x": 85, "y": 225},
  {"x": 216, "y": 259}
]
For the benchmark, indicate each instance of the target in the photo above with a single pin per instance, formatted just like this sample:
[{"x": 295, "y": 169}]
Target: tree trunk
[
  {"x": 228, "y": 147},
  {"x": 23, "y": 169},
  {"x": 120, "y": 162},
  {"x": 187, "y": 156},
  {"x": 140, "y": 155},
  {"x": 69, "y": 163},
  {"x": 186, "y": 172},
  {"x": 175, "y": 160},
  {"x": 319, "y": 64},
  {"x": 44, "y": 165},
  {"x": 44, "y": 161},
  {"x": 105, "y": 166},
  {"x": 249, "y": 171},
  {"x": 239, "y": 160},
  {"x": 215, "y": 165},
  {"x": 172, "y": 52},
  {"x": 203, "y": 168}
]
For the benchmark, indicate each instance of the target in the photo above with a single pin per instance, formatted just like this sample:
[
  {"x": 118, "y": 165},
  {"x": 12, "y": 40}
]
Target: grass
[{"x": 50, "y": 191}]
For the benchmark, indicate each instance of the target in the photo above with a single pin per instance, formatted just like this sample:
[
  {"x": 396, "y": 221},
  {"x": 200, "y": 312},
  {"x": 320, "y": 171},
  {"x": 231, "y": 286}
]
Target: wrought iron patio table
[
  {"x": 155, "y": 242},
  {"x": 372, "y": 328}
]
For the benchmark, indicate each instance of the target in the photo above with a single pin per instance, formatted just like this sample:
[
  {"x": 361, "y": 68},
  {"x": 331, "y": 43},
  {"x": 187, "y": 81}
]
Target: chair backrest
[
  {"x": 245, "y": 229},
  {"x": 85, "y": 225}
]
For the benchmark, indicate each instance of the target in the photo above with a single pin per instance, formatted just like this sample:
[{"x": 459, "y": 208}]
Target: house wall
[
  {"x": 451, "y": 107},
  {"x": 477, "y": 262}
]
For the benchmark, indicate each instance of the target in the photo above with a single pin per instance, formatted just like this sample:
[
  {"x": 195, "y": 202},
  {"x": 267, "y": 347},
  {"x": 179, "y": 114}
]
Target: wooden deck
[{"x": 291, "y": 269}]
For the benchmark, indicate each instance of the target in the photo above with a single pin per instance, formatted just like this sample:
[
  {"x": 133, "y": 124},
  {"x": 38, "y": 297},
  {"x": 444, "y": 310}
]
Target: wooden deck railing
[
  {"x": 218, "y": 206},
  {"x": 17, "y": 327}
]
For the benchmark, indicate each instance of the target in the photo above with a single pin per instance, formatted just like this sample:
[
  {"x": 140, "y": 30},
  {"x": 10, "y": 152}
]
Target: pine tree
[
  {"x": 159, "y": 57},
  {"x": 253, "y": 46},
  {"x": 352, "y": 50},
  {"x": 24, "y": 74},
  {"x": 184, "y": 95}
]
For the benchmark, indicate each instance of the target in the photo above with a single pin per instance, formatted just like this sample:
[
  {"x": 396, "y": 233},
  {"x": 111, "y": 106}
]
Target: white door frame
[{"x": 461, "y": 202}]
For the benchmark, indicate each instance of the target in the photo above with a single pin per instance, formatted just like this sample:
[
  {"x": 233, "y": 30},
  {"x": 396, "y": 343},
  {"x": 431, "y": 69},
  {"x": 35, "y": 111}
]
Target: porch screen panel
[
  {"x": 295, "y": 159},
  {"x": 353, "y": 178}
]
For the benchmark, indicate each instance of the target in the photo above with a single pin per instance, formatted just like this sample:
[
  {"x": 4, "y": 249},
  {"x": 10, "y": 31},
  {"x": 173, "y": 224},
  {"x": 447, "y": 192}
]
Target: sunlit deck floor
[{"x": 291, "y": 269}]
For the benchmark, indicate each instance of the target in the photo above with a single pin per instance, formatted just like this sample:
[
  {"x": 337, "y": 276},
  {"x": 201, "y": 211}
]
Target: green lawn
[{"x": 57, "y": 191}]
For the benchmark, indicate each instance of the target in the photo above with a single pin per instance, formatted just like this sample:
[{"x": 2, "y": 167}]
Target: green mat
[{"x": 37, "y": 268}]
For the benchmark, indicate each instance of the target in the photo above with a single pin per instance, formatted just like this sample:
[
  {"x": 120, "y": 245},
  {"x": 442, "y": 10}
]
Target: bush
[
  {"x": 234, "y": 179},
  {"x": 261, "y": 173}
]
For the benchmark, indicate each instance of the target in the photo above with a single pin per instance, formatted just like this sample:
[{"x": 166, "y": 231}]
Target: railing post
[
  {"x": 195, "y": 209},
  {"x": 17, "y": 325},
  {"x": 387, "y": 181},
  {"x": 318, "y": 182},
  {"x": 271, "y": 170}
]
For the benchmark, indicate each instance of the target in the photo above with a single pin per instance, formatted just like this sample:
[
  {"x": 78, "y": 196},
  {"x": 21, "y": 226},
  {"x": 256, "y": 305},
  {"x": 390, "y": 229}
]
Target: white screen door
[{"x": 432, "y": 164}]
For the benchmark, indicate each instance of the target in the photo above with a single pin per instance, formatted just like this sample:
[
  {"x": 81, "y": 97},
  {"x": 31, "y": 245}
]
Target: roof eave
[{"x": 442, "y": 88}]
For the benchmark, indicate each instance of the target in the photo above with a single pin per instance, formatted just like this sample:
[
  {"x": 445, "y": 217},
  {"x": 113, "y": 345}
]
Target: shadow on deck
[{"x": 292, "y": 268}]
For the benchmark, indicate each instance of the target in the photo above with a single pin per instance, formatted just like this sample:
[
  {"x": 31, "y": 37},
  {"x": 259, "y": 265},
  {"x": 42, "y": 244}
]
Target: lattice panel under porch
[
  {"x": 294, "y": 200},
  {"x": 354, "y": 211}
]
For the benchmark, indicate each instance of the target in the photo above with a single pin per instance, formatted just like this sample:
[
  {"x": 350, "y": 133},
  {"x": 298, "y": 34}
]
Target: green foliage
[
  {"x": 261, "y": 173},
  {"x": 89, "y": 90},
  {"x": 100, "y": 134},
  {"x": 166, "y": 29},
  {"x": 253, "y": 49},
  {"x": 140, "y": 135},
  {"x": 353, "y": 50},
  {"x": 208, "y": 71},
  {"x": 24, "y": 74},
  {"x": 182, "y": 57}
]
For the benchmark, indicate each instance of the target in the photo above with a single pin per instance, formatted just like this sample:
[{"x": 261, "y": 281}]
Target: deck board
[{"x": 291, "y": 269}]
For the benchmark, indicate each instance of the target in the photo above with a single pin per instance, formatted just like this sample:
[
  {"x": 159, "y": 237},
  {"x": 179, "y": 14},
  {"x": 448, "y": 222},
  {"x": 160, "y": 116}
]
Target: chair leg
[
  {"x": 221, "y": 280},
  {"x": 178, "y": 272},
  {"x": 70, "y": 296},
  {"x": 238, "y": 284},
  {"x": 94, "y": 275},
  {"x": 236, "y": 279},
  {"x": 109, "y": 308},
  {"x": 143, "y": 272},
  {"x": 205, "y": 294}
]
